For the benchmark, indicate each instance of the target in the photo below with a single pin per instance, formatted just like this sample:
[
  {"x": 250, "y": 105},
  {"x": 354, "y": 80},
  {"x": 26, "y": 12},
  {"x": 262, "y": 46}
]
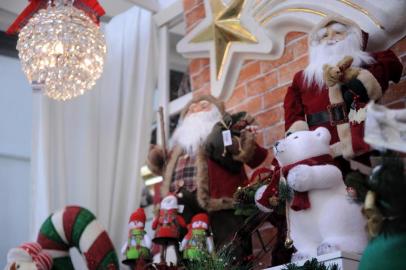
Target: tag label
[{"x": 227, "y": 138}]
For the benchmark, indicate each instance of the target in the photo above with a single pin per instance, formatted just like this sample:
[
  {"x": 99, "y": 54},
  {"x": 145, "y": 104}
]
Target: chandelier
[{"x": 61, "y": 51}]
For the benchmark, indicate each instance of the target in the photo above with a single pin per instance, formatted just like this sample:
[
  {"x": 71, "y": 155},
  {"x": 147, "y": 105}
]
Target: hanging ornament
[{"x": 61, "y": 47}]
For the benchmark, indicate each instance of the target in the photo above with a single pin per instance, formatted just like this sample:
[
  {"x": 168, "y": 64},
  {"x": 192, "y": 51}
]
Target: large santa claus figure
[
  {"x": 339, "y": 80},
  {"x": 206, "y": 162}
]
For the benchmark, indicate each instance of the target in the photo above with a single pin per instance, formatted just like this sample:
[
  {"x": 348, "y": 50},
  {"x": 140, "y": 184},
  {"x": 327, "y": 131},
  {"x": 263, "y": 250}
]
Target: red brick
[
  {"x": 286, "y": 72},
  {"x": 274, "y": 133},
  {"x": 256, "y": 86},
  {"x": 400, "y": 47},
  {"x": 275, "y": 96},
  {"x": 205, "y": 90},
  {"x": 271, "y": 80},
  {"x": 194, "y": 16},
  {"x": 190, "y": 4},
  {"x": 293, "y": 35},
  {"x": 196, "y": 64},
  {"x": 287, "y": 56},
  {"x": 299, "y": 47},
  {"x": 237, "y": 97},
  {"x": 400, "y": 104},
  {"x": 395, "y": 92},
  {"x": 248, "y": 71},
  {"x": 252, "y": 105},
  {"x": 201, "y": 78},
  {"x": 270, "y": 117}
]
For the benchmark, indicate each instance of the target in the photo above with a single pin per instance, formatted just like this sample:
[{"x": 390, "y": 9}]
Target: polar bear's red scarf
[{"x": 300, "y": 199}]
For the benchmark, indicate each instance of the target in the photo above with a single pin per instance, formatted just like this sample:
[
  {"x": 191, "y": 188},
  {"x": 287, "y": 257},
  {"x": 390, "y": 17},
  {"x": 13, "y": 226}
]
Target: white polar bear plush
[{"x": 331, "y": 222}]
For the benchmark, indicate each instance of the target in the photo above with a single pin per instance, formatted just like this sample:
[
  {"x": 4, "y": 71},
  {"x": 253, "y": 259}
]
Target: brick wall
[{"x": 261, "y": 86}]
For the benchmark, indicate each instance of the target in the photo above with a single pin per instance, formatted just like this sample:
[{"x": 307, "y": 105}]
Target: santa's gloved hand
[
  {"x": 348, "y": 72},
  {"x": 331, "y": 75},
  {"x": 354, "y": 91}
]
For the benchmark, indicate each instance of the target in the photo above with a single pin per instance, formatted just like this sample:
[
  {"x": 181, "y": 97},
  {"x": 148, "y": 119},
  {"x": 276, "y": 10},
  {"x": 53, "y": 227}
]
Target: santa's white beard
[
  {"x": 323, "y": 53},
  {"x": 194, "y": 129}
]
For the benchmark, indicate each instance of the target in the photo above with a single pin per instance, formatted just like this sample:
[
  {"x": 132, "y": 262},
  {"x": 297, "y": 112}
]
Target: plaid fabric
[{"x": 184, "y": 174}]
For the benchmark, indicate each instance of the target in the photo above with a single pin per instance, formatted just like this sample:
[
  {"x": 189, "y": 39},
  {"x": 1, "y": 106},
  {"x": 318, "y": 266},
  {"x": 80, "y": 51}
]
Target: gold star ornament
[
  {"x": 225, "y": 29},
  {"x": 228, "y": 35}
]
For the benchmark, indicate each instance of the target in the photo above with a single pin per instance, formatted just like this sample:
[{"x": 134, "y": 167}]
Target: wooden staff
[{"x": 162, "y": 125}]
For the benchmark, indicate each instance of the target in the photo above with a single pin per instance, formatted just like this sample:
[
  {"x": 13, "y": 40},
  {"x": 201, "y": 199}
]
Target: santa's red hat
[
  {"x": 42, "y": 260},
  {"x": 203, "y": 217},
  {"x": 138, "y": 215}
]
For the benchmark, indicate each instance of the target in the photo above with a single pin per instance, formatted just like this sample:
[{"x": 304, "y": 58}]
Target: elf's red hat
[
  {"x": 138, "y": 215},
  {"x": 201, "y": 217}
]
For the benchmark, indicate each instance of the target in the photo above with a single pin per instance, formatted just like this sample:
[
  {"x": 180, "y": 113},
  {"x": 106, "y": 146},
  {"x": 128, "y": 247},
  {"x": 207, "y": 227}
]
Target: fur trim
[
  {"x": 299, "y": 125},
  {"x": 344, "y": 133},
  {"x": 370, "y": 83},
  {"x": 155, "y": 160},
  {"x": 203, "y": 192},
  {"x": 339, "y": 19},
  {"x": 217, "y": 102},
  {"x": 170, "y": 167},
  {"x": 248, "y": 146}
]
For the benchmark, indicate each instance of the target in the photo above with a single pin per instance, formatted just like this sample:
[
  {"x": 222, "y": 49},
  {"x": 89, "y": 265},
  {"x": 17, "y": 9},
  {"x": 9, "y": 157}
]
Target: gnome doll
[
  {"x": 197, "y": 242},
  {"x": 138, "y": 244},
  {"x": 168, "y": 223},
  {"x": 28, "y": 256}
]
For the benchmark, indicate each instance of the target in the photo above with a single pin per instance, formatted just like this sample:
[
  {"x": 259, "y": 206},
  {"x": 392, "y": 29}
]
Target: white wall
[{"x": 15, "y": 151}]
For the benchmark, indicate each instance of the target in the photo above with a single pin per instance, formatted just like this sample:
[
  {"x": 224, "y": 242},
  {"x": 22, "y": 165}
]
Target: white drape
[{"x": 88, "y": 151}]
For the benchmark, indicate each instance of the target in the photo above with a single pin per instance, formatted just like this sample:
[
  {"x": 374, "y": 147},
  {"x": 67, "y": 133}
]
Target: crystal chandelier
[{"x": 61, "y": 51}]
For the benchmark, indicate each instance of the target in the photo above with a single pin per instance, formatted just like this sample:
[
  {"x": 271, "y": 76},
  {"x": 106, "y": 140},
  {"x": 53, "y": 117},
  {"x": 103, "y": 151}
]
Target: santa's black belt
[{"x": 336, "y": 114}]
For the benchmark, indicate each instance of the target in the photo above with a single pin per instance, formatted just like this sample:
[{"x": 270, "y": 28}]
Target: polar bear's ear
[{"x": 323, "y": 134}]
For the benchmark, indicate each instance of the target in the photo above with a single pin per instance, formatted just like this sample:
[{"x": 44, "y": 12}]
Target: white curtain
[{"x": 89, "y": 151}]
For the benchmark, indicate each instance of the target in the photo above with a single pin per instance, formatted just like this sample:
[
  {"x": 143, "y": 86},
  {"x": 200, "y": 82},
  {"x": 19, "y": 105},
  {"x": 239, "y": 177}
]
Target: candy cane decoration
[{"x": 71, "y": 227}]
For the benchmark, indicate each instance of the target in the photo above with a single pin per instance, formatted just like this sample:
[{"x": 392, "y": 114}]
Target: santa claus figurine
[
  {"x": 206, "y": 162},
  {"x": 198, "y": 240},
  {"x": 139, "y": 244},
  {"x": 168, "y": 223},
  {"x": 339, "y": 80}
]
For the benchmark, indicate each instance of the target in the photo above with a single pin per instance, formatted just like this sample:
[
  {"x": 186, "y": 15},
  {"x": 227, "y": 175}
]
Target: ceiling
[{"x": 10, "y": 8}]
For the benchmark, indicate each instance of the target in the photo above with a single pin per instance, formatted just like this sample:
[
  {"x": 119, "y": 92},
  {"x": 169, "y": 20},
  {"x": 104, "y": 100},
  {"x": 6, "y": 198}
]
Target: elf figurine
[
  {"x": 139, "y": 244},
  {"x": 168, "y": 223},
  {"x": 197, "y": 242}
]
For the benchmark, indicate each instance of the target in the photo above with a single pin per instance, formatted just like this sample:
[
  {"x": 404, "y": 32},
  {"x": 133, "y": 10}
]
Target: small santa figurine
[
  {"x": 198, "y": 240},
  {"x": 138, "y": 244},
  {"x": 168, "y": 223}
]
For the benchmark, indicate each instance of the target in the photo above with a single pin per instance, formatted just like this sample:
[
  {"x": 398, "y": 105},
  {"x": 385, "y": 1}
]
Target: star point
[{"x": 225, "y": 29}]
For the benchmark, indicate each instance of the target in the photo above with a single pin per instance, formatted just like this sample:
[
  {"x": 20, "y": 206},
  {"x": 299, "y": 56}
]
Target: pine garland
[
  {"x": 224, "y": 259},
  {"x": 311, "y": 265}
]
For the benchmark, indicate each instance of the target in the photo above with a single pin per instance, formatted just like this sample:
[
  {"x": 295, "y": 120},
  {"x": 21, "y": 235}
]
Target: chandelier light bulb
[{"x": 62, "y": 51}]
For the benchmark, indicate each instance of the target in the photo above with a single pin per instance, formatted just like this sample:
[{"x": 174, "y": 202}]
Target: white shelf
[{"x": 344, "y": 260}]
